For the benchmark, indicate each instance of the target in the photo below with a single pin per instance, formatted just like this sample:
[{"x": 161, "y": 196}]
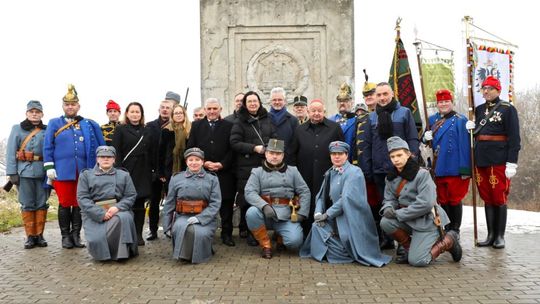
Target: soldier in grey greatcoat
[
  {"x": 24, "y": 167},
  {"x": 106, "y": 196},
  {"x": 270, "y": 190},
  {"x": 192, "y": 233},
  {"x": 409, "y": 210}
]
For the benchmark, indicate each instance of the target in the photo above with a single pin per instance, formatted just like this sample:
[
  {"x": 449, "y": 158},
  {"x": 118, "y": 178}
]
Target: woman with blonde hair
[{"x": 174, "y": 136}]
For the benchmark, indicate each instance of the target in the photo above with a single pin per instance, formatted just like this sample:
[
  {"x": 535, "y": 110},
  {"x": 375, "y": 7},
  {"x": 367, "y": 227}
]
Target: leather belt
[
  {"x": 492, "y": 137},
  {"x": 276, "y": 200}
]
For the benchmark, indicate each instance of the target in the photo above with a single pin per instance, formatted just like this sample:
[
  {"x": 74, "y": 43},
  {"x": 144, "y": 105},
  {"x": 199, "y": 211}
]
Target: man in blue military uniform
[
  {"x": 452, "y": 157},
  {"x": 25, "y": 169},
  {"x": 496, "y": 148},
  {"x": 271, "y": 191},
  {"x": 345, "y": 117}
]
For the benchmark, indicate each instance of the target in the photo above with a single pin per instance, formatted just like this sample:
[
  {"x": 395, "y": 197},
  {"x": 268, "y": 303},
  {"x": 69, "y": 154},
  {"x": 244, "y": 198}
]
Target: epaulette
[
  {"x": 85, "y": 169},
  {"x": 211, "y": 172},
  {"x": 122, "y": 168},
  {"x": 505, "y": 103}
]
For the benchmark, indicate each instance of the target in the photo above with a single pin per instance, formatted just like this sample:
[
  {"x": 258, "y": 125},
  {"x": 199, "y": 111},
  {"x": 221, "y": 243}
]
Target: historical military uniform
[
  {"x": 496, "y": 147},
  {"x": 115, "y": 238},
  {"x": 347, "y": 121},
  {"x": 301, "y": 101},
  {"x": 108, "y": 128},
  {"x": 69, "y": 147},
  {"x": 344, "y": 230},
  {"x": 192, "y": 232},
  {"x": 408, "y": 212},
  {"x": 25, "y": 168},
  {"x": 275, "y": 187},
  {"x": 452, "y": 155}
]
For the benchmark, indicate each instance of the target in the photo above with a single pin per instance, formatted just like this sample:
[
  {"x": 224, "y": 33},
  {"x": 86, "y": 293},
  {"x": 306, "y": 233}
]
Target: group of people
[{"x": 340, "y": 188}]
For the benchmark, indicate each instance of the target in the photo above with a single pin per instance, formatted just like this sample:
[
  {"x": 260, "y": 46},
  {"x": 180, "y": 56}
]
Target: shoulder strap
[
  {"x": 483, "y": 122},
  {"x": 27, "y": 138},
  {"x": 69, "y": 124},
  {"x": 133, "y": 149},
  {"x": 400, "y": 187}
]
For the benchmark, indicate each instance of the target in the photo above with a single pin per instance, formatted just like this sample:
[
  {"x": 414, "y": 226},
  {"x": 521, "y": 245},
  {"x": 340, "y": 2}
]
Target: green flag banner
[
  {"x": 402, "y": 83},
  {"x": 437, "y": 74}
]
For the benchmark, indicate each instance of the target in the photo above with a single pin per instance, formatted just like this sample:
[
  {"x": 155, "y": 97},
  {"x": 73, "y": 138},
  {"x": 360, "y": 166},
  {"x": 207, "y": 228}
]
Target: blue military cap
[
  {"x": 396, "y": 143},
  {"x": 106, "y": 151},
  {"x": 172, "y": 96},
  {"x": 194, "y": 152},
  {"x": 338, "y": 146}
]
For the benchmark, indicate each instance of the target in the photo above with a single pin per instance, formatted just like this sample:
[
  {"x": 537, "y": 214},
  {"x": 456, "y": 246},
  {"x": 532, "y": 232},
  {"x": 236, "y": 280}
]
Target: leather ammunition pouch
[
  {"x": 27, "y": 156},
  {"x": 190, "y": 207}
]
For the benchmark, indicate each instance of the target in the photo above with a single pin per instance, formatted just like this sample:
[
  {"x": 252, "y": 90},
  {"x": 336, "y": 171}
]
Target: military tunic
[
  {"x": 349, "y": 233},
  {"x": 108, "y": 132},
  {"x": 347, "y": 123},
  {"x": 116, "y": 238},
  {"x": 284, "y": 183},
  {"x": 193, "y": 186}
]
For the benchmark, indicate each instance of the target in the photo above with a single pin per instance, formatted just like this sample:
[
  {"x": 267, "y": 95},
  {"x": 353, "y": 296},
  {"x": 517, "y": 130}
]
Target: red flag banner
[{"x": 402, "y": 83}]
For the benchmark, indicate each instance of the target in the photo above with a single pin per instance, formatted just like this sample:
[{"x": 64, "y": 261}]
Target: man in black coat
[
  {"x": 284, "y": 122},
  {"x": 309, "y": 151},
  {"x": 155, "y": 127},
  {"x": 211, "y": 135}
]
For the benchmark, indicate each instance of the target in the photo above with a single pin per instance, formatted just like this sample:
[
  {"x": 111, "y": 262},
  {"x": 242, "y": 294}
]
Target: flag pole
[
  {"x": 418, "y": 46},
  {"x": 396, "y": 57},
  {"x": 468, "y": 21}
]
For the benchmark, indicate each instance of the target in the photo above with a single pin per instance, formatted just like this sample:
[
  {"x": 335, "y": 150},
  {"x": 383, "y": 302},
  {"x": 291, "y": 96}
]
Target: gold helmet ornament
[
  {"x": 71, "y": 95},
  {"x": 345, "y": 92},
  {"x": 369, "y": 87}
]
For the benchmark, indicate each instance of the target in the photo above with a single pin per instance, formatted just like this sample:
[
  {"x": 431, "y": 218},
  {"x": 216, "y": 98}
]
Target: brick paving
[{"x": 238, "y": 275}]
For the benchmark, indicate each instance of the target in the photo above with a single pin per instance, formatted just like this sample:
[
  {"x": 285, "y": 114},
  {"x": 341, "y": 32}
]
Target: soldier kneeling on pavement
[
  {"x": 271, "y": 191},
  {"x": 409, "y": 213}
]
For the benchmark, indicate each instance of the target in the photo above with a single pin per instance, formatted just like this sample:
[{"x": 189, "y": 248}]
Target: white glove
[
  {"x": 511, "y": 170},
  {"x": 318, "y": 217},
  {"x": 51, "y": 174},
  {"x": 192, "y": 220},
  {"x": 428, "y": 135},
  {"x": 470, "y": 125}
]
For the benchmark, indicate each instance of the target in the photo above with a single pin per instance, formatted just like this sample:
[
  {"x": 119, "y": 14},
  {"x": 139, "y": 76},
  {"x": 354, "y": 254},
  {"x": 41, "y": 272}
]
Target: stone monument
[{"x": 306, "y": 47}]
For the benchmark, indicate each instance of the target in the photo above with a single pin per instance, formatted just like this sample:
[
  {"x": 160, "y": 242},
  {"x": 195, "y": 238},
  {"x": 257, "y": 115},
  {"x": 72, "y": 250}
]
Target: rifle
[
  {"x": 7, "y": 187},
  {"x": 185, "y": 99},
  {"x": 437, "y": 221}
]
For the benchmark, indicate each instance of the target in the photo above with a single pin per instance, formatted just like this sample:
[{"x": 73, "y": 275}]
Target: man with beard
[
  {"x": 70, "y": 146},
  {"x": 389, "y": 119},
  {"x": 346, "y": 118},
  {"x": 25, "y": 170}
]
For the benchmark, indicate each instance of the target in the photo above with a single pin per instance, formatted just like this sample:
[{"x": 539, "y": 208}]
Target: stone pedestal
[{"x": 306, "y": 47}]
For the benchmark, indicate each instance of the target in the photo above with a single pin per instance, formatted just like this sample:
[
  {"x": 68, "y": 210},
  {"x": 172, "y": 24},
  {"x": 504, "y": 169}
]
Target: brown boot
[
  {"x": 261, "y": 235},
  {"x": 29, "y": 220},
  {"x": 448, "y": 243},
  {"x": 404, "y": 239},
  {"x": 41, "y": 218}
]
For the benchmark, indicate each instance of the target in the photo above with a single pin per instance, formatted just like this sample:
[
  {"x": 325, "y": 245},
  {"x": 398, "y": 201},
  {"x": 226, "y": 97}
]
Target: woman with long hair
[{"x": 132, "y": 142}]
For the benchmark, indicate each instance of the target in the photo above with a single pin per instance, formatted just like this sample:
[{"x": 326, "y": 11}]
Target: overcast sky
[{"x": 138, "y": 50}]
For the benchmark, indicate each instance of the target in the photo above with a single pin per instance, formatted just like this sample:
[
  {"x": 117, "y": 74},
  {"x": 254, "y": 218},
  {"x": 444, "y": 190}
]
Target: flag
[
  {"x": 437, "y": 74},
  {"x": 402, "y": 83}
]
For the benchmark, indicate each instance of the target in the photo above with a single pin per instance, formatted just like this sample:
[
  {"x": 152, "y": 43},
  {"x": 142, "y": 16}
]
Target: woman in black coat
[
  {"x": 249, "y": 135},
  {"x": 132, "y": 142}
]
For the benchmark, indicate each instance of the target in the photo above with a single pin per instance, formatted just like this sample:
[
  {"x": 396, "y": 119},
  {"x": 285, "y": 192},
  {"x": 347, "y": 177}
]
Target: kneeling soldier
[
  {"x": 410, "y": 213},
  {"x": 270, "y": 190}
]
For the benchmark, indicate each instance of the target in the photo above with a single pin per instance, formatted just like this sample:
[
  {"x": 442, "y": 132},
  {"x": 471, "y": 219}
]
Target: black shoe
[
  {"x": 152, "y": 236},
  {"x": 387, "y": 243},
  {"x": 251, "y": 241},
  {"x": 403, "y": 258},
  {"x": 228, "y": 240},
  {"x": 40, "y": 241},
  {"x": 67, "y": 242},
  {"x": 30, "y": 242},
  {"x": 140, "y": 242},
  {"x": 243, "y": 234}
]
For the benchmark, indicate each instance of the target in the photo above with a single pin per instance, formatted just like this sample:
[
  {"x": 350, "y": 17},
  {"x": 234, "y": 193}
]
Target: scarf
[
  {"x": 384, "y": 123},
  {"x": 409, "y": 171},
  {"x": 180, "y": 138},
  {"x": 277, "y": 115},
  {"x": 28, "y": 126}
]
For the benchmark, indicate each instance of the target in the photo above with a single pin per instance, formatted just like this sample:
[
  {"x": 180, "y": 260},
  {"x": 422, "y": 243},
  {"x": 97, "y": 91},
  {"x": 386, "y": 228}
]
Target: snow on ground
[{"x": 518, "y": 221}]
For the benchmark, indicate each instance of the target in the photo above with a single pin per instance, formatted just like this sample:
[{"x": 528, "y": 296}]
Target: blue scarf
[{"x": 277, "y": 115}]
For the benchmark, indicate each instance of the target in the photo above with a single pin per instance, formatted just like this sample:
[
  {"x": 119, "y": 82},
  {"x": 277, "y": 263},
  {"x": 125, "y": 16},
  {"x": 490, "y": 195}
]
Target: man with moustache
[
  {"x": 300, "y": 109},
  {"x": 346, "y": 118},
  {"x": 113, "y": 113},
  {"x": 309, "y": 151},
  {"x": 212, "y": 136}
]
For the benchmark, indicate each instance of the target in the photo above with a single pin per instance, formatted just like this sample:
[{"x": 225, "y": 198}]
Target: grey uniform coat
[
  {"x": 95, "y": 185},
  {"x": 283, "y": 184},
  {"x": 193, "y": 186},
  {"x": 414, "y": 204}
]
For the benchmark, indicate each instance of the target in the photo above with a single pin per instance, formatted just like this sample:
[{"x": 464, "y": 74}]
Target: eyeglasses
[
  {"x": 178, "y": 113},
  {"x": 488, "y": 88}
]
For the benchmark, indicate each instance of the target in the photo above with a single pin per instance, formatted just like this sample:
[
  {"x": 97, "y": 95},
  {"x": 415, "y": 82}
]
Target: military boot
[
  {"x": 138, "y": 217},
  {"x": 500, "y": 226},
  {"x": 41, "y": 218},
  {"x": 29, "y": 220},
  {"x": 490, "y": 222},
  {"x": 64, "y": 221},
  {"x": 449, "y": 243},
  {"x": 404, "y": 239},
  {"x": 264, "y": 240},
  {"x": 76, "y": 225}
]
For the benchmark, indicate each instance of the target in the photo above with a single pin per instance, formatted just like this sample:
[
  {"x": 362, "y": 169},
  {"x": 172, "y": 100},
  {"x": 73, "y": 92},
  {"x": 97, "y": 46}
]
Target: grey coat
[
  {"x": 284, "y": 184},
  {"x": 189, "y": 186},
  {"x": 95, "y": 185},
  {"x": 23, "y": 168},
  {"x": 417, "y": 198}
]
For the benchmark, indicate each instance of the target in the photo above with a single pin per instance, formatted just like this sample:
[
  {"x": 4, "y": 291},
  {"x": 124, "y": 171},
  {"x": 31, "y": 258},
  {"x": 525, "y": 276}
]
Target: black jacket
[
  {"x": 217, "y": 148},
  {"x": 248, "y": 132},
  {"x": 139, "y": 162}
]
